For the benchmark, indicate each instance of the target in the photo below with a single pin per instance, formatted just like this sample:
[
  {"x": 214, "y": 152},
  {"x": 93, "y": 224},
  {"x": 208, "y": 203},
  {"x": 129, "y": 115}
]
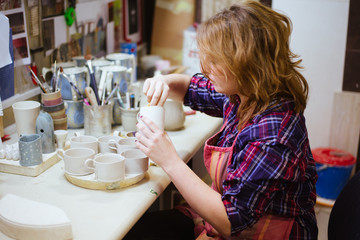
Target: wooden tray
[
  {"x": 12, "y": 166},
  {"x": 89, "y": 181}
]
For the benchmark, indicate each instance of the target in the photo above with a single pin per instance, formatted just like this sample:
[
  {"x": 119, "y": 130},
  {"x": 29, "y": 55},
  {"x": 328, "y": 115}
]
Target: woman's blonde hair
[{"x": 251, "y": 43}]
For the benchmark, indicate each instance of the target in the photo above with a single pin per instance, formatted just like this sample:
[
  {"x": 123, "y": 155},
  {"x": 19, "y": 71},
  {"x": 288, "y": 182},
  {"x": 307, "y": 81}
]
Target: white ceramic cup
[
  {"x": 74, "y": 160},
  {"x": 60, "y": 138},
  {"x": 136, "y": 162},
  {"x": 30, "y": 150},
  {"x": 174, "y": 115},
  {"x": 122, "y": 144},
  {"x": 129, "y": 118},
  {"x": 109, "y": 167},
  {"x": 25, "y": 113},
  {"x": 104, "y": 144},
  {"x": 155, "y": 114},
  {"x": 84, "y": 141}
]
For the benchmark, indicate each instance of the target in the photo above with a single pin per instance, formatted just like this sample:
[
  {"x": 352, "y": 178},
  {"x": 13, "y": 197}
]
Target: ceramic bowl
[
  {"x": 53, "y": 108},
  {"x": 60, "y": 123}
]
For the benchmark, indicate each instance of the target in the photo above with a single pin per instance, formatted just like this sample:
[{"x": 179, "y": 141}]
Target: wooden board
[
  {"x": 89, "y": 181},
  {"x": 345, "y": 122},
  {"x": 12, "y": 166}
]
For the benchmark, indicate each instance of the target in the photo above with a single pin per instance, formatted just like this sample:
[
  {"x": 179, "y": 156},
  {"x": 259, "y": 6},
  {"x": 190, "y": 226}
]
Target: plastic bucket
[{"x": 334, "y": 167}]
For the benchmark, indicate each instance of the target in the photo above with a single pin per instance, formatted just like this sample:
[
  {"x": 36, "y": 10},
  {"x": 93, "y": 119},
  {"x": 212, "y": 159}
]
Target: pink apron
[{"x": 216, "y": 161}]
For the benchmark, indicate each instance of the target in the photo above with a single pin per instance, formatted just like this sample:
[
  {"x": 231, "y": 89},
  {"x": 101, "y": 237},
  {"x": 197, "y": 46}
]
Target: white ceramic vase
[{"x": 174, "y": 115}]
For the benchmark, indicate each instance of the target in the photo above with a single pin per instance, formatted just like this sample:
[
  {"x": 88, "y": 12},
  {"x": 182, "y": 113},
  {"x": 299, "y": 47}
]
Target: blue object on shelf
[{"x": 7, "y": 75}]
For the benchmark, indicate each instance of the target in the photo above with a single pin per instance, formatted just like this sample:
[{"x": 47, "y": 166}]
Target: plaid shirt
[{"x": 272, "y": 169}]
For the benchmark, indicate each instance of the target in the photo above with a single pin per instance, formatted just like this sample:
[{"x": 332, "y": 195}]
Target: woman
[{"x": 260, "y": 162}]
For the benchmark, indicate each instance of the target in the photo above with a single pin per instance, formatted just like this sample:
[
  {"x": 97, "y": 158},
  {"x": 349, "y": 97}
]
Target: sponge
[{"x": 26, "y": 219}]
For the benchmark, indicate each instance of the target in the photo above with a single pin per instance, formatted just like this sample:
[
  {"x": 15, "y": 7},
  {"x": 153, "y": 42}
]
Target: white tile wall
[{"x": 319, "y": 37}]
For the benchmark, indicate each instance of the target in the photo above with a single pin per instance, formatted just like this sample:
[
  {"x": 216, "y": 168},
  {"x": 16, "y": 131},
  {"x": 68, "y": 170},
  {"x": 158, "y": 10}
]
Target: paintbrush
[
  {"x": 54, "y": 77},
  {"x": 93, "y": 83},
  {"x": 112, "y": 93},
  {"x": 119, "y": 99},
  {"x": 38, "y": 81},
  {"x": 73, "y": 86},
  {"x": 43, "y": 82}
]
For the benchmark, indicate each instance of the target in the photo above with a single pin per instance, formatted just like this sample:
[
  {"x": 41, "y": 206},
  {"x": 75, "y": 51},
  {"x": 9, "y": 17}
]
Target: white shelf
[{"x": 20, "y": 97}]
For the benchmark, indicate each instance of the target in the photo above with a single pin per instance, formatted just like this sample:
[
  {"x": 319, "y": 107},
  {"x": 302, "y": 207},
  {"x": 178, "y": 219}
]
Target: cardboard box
[{"x": 171, "y": 18}]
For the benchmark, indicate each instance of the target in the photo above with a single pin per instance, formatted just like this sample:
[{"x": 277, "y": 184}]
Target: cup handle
[
  {"x": 138, "y": 116},
  {"x": 112, "y": 144},
  {"x": 88, "y": 162},
  {"x": 60, "y": 153},
  {"x": 77, "y": 134}
]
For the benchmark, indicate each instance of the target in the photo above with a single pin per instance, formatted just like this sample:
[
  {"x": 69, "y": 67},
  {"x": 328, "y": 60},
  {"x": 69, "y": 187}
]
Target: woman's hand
[
  {"x": 155, "y": 143},
  {"x": 156, "y": 90}
]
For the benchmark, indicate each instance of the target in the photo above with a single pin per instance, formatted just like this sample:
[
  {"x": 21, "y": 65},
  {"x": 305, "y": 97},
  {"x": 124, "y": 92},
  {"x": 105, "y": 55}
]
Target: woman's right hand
[{"x": 156, "y": 90}]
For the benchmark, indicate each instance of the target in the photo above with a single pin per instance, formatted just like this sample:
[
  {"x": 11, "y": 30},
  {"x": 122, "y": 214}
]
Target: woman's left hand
[{"x": 155, "y": 143}]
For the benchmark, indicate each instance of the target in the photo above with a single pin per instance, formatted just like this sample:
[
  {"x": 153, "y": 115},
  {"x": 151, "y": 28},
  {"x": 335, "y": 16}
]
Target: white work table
[{"x": 98, "y": 214}]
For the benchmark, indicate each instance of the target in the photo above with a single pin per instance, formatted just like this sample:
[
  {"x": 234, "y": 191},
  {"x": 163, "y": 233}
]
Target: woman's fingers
[
  {"x": 150, "y": 91},
  {"x": 141, "y": 146},
  {"x": 164, "y": 95},
  {"x": 146, "y": 124},
  {"x": 156, "y": 91},
  {"x": 146, "y": 85}
]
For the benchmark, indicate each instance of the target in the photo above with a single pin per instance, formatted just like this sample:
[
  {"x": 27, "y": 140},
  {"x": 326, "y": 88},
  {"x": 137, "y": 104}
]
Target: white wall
[{"x": 319, "y": 37}]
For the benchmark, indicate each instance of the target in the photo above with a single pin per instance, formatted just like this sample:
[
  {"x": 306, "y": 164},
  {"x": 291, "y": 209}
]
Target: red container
[{"x": 334, "y": 167}]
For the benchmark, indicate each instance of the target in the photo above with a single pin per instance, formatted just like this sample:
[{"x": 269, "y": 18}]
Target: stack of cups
[{"x": 53, "y": 104}]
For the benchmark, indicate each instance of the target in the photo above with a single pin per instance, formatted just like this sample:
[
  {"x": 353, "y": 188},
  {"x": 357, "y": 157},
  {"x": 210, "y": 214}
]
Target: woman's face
[{"x": 222, "y": 80}]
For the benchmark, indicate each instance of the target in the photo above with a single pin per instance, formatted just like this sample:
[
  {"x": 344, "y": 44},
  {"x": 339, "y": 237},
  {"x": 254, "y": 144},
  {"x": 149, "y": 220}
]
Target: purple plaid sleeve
[{"x": 201, "y": 96}]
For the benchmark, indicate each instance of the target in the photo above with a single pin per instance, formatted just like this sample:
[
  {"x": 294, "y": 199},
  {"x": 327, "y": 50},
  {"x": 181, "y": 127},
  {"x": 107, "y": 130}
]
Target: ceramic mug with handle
[
  {"x": 84, "y": 141},
  {"x": 108, "y": 167},
  {"x": 74, "y": 160},
  {"x": 136, "y": 162},
  {"x": 155, "y": 114},
  {"x": 122, "y": 144}
]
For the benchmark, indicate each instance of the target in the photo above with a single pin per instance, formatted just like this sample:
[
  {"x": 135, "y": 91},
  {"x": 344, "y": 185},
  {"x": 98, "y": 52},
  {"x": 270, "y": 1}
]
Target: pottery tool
[
  {"x": 90, "y": 94},
  {"x": 73, "y": 92},
  {"x": 132, "y": 101},
  {"x": 102, "y": 101},
  {"x": 53, "y": 79},
  {"x": 127, "y": 94},
  {"x": 102, "y": 82},
  {"x": 32, "y": 219},
  {"x": 93, "y": 84},
  {"x": 38, "y": 81},
  {"x": 56, "y": 80},
  {"x": 119, "y": 99},
  {"x": 112, "y": 93},
  {"x": 43, "y": 82},
  {"x": 108, "y": 82}
]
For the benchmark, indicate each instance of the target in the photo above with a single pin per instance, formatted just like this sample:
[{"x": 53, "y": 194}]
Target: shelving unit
[{"x": 20, "y": 97}]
